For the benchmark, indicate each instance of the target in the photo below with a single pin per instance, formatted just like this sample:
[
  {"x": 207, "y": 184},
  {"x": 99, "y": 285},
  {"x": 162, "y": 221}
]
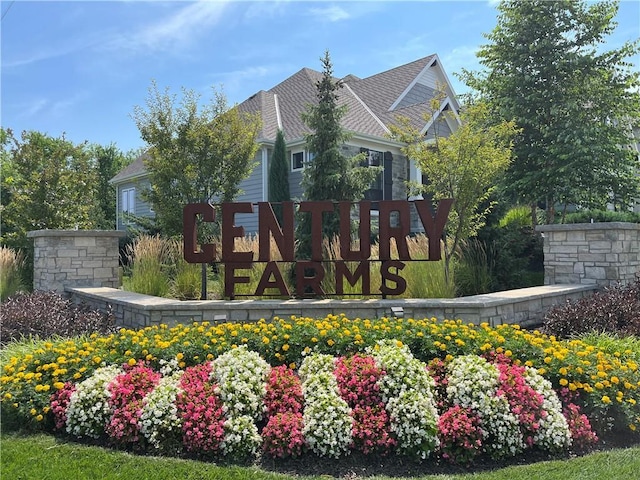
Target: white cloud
[
  {"x": 176, "y": 30},
  {"x": 332, "y": 13},
  {"x": 45, "y": 107}
]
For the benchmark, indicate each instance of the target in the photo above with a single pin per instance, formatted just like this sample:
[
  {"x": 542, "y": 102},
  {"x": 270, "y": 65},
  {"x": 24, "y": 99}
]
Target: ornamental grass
[{"x": 414, "y": 387}]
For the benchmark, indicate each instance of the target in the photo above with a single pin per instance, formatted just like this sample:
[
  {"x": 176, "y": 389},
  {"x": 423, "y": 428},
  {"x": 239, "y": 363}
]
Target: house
[{"x": 373, "y": 104}]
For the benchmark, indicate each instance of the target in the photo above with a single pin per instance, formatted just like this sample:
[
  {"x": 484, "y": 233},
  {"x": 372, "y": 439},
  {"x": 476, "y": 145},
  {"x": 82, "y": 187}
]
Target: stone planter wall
[
  {"x": 525, "y": 307},
  {"x": 75, "y": 258},
  {"x": 601, "y": 254}
]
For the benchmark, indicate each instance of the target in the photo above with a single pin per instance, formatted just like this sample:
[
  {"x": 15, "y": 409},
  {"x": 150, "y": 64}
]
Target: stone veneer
[
  {"x": 601, "y": 254},
  {"x": 75, "y": 258},
  {"x": 525, "y": 307}
]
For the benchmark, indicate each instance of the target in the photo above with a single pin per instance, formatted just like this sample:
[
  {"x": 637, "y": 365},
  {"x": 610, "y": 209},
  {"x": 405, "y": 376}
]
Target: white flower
[
  {"x": 241, "y": 376},
  {"x": 160, "y": 422},
  {"x": 88, "y": 411},
  {"x": 326, "y": 416}
]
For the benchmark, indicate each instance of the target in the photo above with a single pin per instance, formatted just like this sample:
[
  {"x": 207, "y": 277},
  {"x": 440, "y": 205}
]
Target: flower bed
[{"x": 417, "y": 388}]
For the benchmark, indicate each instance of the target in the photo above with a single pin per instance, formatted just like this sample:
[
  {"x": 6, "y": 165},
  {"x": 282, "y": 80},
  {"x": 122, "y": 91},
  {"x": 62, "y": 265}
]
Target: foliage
[
  {"x": 464, "y": 166},
  {"x": 474, "y": 268},
  {"x": 574, "y": 103},
  {"x": 108, "y": 161},
  {"x": 11, "y": 266},
  {"x": 327, "y": 420},
  {"x": 603, "y": 379},
  {"x": 279, "y": 175},
  {"x": 147, "y": 257},
  {"x": 510, "y": 407},
  {"x": 283, "y": 434},
  {"x": 46, "y": 314},
  {"x": 186, "y": 281},
  {"x": 51, "y": 184},
  {"x": 595, "y": 216},
  {"x": 519, "y": 216},
  {"x": 194, "y": 154},
  {"x": 615, "y": 310},
  {"x": 511, "y": 252},
  {"x": 330, "y": 175}
]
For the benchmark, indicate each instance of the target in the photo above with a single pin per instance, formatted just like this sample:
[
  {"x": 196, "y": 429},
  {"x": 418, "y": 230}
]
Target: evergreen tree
[
  {"x": 330, "y": 175},
  {"x": 575, "y": 103},
  {"x": 279, "y": 175}
]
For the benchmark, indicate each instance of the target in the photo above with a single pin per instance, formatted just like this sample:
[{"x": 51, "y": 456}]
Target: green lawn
[{"x": 44, "y": 457}]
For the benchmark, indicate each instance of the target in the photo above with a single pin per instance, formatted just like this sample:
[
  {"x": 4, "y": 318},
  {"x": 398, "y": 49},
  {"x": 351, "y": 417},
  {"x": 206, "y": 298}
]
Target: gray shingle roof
[
  {"x": 134, "y": 169},
  {"x": 365, "y": 98},
  {"x": 368, "y": 100}
]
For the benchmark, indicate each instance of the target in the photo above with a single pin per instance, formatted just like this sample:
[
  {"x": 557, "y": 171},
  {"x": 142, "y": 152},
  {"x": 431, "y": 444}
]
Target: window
[
  {"x": 376, "y": 190},
  {"x": 297, "y": 161},
  {"x": 128, "y": 202}
]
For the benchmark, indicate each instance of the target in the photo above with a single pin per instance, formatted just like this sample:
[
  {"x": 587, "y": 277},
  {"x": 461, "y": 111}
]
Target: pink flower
[
  {"x": 201, "y": 411},
  {"x": 282, "y": 436},
  {"x": 460, "y": 435},
  {"x": 59, "y": 402},
  {"x": 127, "y": 393}
]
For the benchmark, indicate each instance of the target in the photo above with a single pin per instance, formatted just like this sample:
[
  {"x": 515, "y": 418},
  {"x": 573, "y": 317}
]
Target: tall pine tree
[{"x": 330, "y": 175}]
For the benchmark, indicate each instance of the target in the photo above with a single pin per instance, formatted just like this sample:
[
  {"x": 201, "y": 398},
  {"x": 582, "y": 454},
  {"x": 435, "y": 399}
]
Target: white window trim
[{"x": 130, "y": 203}]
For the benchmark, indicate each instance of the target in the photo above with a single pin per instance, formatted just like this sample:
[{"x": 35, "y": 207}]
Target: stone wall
[
  {"x": 525, "y": 307},
  {"x": 601, "y": 254},
  {"x": 75, "y": 258}
]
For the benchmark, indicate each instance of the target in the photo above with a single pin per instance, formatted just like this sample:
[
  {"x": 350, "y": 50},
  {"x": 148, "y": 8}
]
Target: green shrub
[
  {"x": 519, "y": 216},
  {"x": 597, "y": 216}
]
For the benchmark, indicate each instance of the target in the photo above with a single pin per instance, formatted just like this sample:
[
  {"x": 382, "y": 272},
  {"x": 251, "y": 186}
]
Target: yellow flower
[
  {"x": 132, "y": 362},
  {"x": 285, "y": 347},
  {"x": 39, "y": 418},
  {"x": 265, "y": 340},
  {"x": 179, "y": 356},
  {"x": 330, "y": 342},
  {"x": 564, "y": 382},
  {"x": 58, "y": 385},
  {"x": 606, "y": 399}
]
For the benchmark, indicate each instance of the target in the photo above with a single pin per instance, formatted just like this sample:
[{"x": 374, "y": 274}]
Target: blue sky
[{"x": 81, "y": 67}]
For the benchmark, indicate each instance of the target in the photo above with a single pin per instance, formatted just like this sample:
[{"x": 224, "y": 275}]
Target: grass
[
  {"x": 157, "y": 268},
  {"x": 46, "y": 457},
  {"x": 11, "y": 264}
]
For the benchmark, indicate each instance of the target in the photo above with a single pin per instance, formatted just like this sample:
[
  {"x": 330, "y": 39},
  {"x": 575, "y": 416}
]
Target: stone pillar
[
  {"x": 75, "y": 258},
  {"x": 600, "y": 254}
]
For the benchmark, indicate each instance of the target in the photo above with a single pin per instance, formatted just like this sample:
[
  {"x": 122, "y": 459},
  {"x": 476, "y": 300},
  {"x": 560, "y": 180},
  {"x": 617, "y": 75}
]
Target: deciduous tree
[
  {"x": 465, "y": 166},
  {"x": 195, "y": 154},
  {"x": 575, "y": 103},
  {"x": 51, "y": 184}
]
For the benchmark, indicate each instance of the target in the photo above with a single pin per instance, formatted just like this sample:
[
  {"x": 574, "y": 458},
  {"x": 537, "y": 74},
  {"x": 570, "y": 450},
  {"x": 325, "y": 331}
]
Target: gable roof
[
  {"x": 132, "y": 171},
  {"x": 373, "y": 103}
]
